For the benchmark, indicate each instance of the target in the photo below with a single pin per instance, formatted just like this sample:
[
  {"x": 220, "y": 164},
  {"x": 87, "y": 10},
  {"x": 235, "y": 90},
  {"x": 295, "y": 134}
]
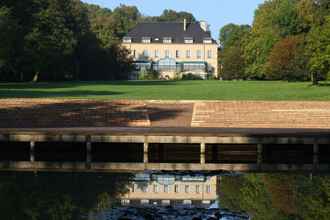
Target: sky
[{"x": 216, "y": 12}]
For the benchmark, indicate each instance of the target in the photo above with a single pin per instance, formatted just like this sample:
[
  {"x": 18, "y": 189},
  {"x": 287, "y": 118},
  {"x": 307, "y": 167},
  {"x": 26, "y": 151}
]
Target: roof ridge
[{"x": 166, "y": 22}]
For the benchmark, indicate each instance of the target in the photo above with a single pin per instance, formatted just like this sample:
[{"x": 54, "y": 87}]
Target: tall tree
[
  {"x": 287, "y": 60},
  {"x": 232, "y": 39},
  {"x": 275, "y": 19}
]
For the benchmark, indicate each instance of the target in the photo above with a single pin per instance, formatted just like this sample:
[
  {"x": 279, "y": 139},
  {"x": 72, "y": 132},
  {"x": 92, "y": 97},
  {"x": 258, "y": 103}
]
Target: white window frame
[
  {"x": 167, "y": 40},
  {"x": 144, "y": 189},
  {"x": 208, "y": 189},
  {"x": 176, "y": 188},
  {"x": 177, "y": 53},
  {"x": 188, "y": 40},
  {"x": 166, "y": 188},
  {"x": 127, "y": 40},
  {"x": 145, "y": 202},
  {"x": 188, "y": 53},
  {"x": 209, "y": 54},
  {"x": 146, "y": 40},
  {"x": 199, "y": 54},
  {"x": 145, "y": 53},
  {"x": 186, "y": 188},
  {"x": 197, "y": 189},
  {"x": 156, "y": 188},
  {"x": 167, "y": 53},
  {"x": 207, "y": 41},
  {"x": 157, "y": 54}
]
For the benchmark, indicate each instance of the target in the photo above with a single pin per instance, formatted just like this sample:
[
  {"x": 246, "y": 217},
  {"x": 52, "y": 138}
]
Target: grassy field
[{"x": 169, "y": 90}]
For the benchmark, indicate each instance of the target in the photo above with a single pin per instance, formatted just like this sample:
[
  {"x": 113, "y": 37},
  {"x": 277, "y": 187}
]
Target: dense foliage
[
  {"x": 277, "y": 196},
  {"x": 56, "y": 40},
  {"x": 289, "y": 40},
  {"x": 57, "y": 196}
]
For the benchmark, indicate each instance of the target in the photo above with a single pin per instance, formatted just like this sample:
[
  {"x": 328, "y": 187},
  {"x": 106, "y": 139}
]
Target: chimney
[
  {"x": 204, "y": 25},
  {"x": 184, "y": 24}
]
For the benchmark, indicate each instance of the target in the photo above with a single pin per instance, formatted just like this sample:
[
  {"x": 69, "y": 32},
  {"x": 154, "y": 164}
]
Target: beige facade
[
  {"x": 177, "y": 192},
  {"x": 185, "y": 52}
]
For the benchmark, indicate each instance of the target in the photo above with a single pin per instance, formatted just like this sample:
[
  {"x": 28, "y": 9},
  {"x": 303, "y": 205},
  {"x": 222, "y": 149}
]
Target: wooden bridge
[{"x": 136, "y": 149}]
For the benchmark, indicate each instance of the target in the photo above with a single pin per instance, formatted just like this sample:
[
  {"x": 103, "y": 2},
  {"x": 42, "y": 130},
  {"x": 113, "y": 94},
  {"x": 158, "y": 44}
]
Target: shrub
[
  {"x": 191, "y": 76},
  {"x": 148, "y": 75}
]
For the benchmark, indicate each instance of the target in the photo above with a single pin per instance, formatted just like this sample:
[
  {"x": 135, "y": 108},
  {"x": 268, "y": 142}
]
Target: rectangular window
[
  {"x": 167, "y": 40},
  {"x": 166, "y": 202},
  {"x": 166, "y": 188},
  {"x": 155, "y": 188},
  {"x": 145, "y": 53},
  {"x": 209, "y": 54},
  {"x": 188, "y": 40},
  {"x": 177, "y": 54},
  {"x": 207, "y": 40},
  {"x": 186, "y": 188},
  {"x": 156, "y": 53},
  {"x": 199, "y": 54},
  {"x": 125, "y": 202},
  {"x": 145, "y": 189},
  {"x": 127, "y": 40},
  {"x": 167, "y": 54},
  {"x": 188, "y": 55},
  {"x": 208, "y": 188},
  {"x": 146, "y": 40},
  {"x": 197, "y": 188},
  {"x": 176, "y": 188},
  {"x": 144, "y": 202}
]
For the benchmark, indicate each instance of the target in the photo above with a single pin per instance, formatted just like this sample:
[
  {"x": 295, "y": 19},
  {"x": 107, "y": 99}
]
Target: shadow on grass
[
  {"x": 137, "y": 83},
  {"x": 324, "y": 84},
  {"x": 54, "y": 94},
  {"x": 60, "y": 85}
]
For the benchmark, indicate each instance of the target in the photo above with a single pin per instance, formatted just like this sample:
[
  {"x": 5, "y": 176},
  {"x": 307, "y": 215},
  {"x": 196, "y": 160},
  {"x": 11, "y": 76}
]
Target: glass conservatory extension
[{"x": 171, "y": 65}]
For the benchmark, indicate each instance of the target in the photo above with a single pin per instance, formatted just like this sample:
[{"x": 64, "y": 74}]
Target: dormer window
[
  {"x": 127, "y": 40},
  {"x": 207, "y": 40},
  {"x": 167, "y": 40},
  {"x": 146, "y": 40},
  {"x": 188, "y": 40}
]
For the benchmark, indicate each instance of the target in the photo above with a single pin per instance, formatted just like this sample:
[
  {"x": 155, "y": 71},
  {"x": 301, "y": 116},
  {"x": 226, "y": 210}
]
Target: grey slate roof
[{"x": 174, "y": 30}]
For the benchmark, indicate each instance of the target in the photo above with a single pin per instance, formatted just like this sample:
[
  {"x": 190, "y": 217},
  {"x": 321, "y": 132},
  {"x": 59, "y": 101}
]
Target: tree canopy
[
  {"x": 270, "y": 49},
  {"x": 56, "y": 40}
]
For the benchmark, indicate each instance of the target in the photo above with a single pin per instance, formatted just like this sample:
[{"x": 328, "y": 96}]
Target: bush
[
  {"x": 148, "y": 75},
  {"x": 191, "y": 76}
]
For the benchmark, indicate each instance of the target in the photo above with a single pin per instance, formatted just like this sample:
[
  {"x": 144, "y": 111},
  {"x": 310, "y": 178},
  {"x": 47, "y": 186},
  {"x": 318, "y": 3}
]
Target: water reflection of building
[{"x": 171, "y": 190}]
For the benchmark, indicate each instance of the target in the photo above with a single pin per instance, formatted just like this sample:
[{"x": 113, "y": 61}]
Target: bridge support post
[
  {"x": 88, "y": 154},
  {"x": 32, "y": 155},
  {"x": 202, "y": 157},
  {"x": 315, "y": 156},
  {"x": 145, "y": 152},
  {"x": 259, "y": 155}
]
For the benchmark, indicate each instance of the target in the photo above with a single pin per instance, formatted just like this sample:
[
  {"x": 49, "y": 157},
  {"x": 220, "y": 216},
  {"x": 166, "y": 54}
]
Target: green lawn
[{"x": 169, "y": 90}]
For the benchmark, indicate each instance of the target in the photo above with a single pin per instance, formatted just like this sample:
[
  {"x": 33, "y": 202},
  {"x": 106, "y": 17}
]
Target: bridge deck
[{"x": 228, "y": 136}]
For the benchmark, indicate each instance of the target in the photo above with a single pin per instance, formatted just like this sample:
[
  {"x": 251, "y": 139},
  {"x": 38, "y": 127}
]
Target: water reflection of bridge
[{"x": 165, "y": 149}]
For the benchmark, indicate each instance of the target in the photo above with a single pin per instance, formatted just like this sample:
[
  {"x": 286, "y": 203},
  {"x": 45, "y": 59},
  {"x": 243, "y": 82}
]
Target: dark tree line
[
  {"x": 55, "y": 196},
  {"x": 56, "y": 40},
  {"x": 277, "y": 196},
  {"x": 289, "y": 40}
]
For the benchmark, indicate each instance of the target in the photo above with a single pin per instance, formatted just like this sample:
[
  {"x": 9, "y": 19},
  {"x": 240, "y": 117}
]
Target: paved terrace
[
  {"x": 159, "y": 135},
  {"x": 53, "y": 113}
]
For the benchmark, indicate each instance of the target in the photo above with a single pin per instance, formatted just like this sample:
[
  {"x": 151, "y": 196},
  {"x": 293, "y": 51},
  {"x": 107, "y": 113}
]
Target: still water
[{"x": 93, "y": 196}]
